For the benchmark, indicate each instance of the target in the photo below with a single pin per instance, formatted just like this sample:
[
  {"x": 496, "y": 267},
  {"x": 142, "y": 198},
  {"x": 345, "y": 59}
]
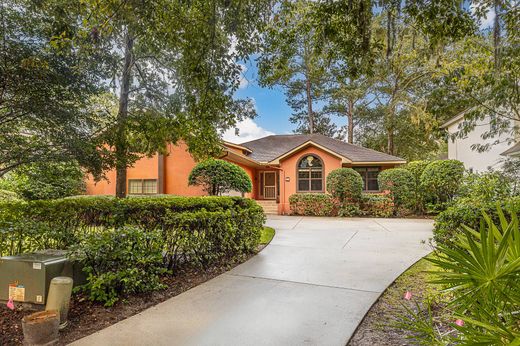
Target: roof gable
[{"x": 271, "y": 148}]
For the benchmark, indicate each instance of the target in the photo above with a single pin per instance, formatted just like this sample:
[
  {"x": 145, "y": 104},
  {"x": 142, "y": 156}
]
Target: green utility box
[{"x": 26, "y": 277}]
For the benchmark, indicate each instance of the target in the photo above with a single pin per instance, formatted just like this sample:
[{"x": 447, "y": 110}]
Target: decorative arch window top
[{"x": 310, "y": 174}]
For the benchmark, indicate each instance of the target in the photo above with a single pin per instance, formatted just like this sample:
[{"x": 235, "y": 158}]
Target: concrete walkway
[{"x": 312, "y": 285}]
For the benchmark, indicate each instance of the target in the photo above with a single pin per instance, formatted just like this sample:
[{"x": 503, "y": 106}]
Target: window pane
[
  {"x": 310, "y": 161},
  {"x": 360, "y": 170},
  {"x": 372, "y": 185},
  {"x": 316, "y": 174},
  {"x": 150, "y": 186},
  {"x": 303, "y": 174},
  {"x": 135, "y": 186},
  {"x": 316, "y": 185},
  {"x": 373, "y": 175},
  {"x": 303, "y": 185}
]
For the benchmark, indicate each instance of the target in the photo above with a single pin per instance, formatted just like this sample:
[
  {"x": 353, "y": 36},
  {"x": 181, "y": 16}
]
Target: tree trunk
[
  {"x": 350, "y": 117},
  {"x": 309, "y": 106},
  {"x": 496, "y": 34},
  {"x": 121, "y": 143},
  {"x": 390, "y": 131}
]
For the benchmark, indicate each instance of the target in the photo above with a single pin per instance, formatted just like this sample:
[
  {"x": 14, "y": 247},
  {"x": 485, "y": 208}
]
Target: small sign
[
  {"x": 39, "y": 299},
  {"x": 37, "y": 266},
  {"x": 17, "y": 292}
]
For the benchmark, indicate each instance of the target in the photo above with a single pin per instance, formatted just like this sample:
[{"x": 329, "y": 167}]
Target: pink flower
[
  {"x": 459, "y": 322},
  {"x": 10, "y": 304},
  {"x": 408, "y": 295}
]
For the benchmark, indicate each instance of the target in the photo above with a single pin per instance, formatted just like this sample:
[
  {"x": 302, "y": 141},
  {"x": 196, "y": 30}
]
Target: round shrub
[
  {"x": 441, "y": 179},
  {"x": 485, "y": 187},
  {"x": 399, "y": 182},
  {"x": 219, "y": 176},
  {"x": 345, "y": 184}
]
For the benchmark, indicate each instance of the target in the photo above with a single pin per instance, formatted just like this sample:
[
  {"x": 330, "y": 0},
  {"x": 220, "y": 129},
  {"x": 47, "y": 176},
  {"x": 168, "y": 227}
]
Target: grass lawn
[{"x": 267, "y": 235}]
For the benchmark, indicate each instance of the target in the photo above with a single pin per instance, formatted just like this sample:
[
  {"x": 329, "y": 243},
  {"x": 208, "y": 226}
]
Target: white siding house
[{"x": 460, "y": 148}]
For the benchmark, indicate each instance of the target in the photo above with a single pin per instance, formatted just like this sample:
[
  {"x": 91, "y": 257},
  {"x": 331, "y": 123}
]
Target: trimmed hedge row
[
  {"x": 197, "y": 230},
  {"x": 322, "y": 204}
]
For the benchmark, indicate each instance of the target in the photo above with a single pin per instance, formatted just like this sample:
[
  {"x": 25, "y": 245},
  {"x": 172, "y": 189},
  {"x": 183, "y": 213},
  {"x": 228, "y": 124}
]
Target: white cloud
[{"x": 248, "y": 130}]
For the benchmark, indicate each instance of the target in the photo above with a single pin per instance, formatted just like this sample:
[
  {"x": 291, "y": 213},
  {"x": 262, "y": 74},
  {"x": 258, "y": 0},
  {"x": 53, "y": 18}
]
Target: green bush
[
  {"x": 485, "y": 187},
  {"x": 345, "y": 184},
  {"x": 399, "y": 182},
  {"x": 219, "y": 176},
  {"x": 481, "y": 273},
  {"x": 313, "y": 204},
  {"x": 448, "y": 224},
  {"x": 120, "y": 261},
  {"x": 441, "y": 180},
  {"x": 376, "y": 205},
  {"x": 36, "y": 225},
  {"x": 46, "y": 180},
  {"x": 7, "y": 196},
  {"x": 417, "y": 168}
]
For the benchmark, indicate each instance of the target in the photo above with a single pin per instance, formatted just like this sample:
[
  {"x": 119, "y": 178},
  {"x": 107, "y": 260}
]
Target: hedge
[
  {"x": 448, "y": 223},
  {"x": 313, "y": 204},
  {"x": 345, "y": 184},
  {"x": 399, "y": 182},
  {"x": 197, "y": 230},
  {"x": 376, "y": 205}
]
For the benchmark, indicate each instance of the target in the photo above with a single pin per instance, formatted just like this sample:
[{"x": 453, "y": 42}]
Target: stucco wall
[
  {"x": 460, "y": 148},
  {"x": 288, "y": 167}
]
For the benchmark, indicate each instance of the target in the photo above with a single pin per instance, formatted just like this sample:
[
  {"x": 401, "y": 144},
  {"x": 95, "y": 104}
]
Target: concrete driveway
[{"x": 312, "y": 285}]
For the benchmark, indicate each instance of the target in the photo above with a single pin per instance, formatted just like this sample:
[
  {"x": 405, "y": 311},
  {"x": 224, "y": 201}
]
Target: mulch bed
[{"x": 86, "y": 317}]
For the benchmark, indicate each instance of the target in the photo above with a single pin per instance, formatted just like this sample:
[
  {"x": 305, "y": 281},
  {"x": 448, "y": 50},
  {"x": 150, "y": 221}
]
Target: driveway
[{"x": 312, "y": 285}]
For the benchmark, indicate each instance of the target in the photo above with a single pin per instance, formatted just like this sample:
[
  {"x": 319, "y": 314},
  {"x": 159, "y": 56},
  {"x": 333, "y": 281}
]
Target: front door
[{"x": 269, "y": 185}]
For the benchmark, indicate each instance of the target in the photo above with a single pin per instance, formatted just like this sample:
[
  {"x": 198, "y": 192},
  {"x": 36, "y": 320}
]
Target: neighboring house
[
  {"x": 278, "y": 165},
  {"x": 461, "y": 148}
]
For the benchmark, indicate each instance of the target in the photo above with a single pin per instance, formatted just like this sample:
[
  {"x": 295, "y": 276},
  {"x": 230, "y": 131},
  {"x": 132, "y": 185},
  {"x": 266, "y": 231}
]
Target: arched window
[{"x": 310, "y": 174}]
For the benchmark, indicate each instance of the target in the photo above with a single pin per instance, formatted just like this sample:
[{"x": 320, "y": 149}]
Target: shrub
[
  {"x": 485, "y": 187},
  {"x": 7, "y": 196},
  {"x": 120, "y": 262},
  {"x": 345, "y": 184},
  {"x": 313, "y": 204},
  {"x": 441, "y": 179},
  {"x": 448, "y": 224},
  {"x": 417, "y": 168},
  {"x": 36, "y": 225},
  {"x": 376, "y": 205},
  {"x": 46, "y": 180},
  {"x": 399, "y": 182},
  {"x": 481, "y": 273},
  {"x": 219, "y": 176}
]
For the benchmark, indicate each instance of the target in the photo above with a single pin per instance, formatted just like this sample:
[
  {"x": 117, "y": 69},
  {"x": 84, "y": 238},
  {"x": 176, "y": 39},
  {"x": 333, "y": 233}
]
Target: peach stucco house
[{"x": 279, "y": 166}]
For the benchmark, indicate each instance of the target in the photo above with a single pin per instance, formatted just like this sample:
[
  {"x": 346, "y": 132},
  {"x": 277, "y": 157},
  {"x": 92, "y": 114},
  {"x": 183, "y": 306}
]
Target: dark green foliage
[
  {"x": 206, "y": 228},
  {"x": 480, "y": 270},
  {"x": 448, "y": 224},
  {"x": 219, "y": 176},
  {"x": 313, "y": 204},
  {"x": 120, "y": 261},
  {"x": 441, "y": 180},
  {"x": 485, "y": 187},
  {"x": 376, "y": 205},
  {"x": 400, "y": 183},
  {"x": 417, "y": 168},
  {"x": 46, "y": 180},
  {"x": 345, "y": 184}
]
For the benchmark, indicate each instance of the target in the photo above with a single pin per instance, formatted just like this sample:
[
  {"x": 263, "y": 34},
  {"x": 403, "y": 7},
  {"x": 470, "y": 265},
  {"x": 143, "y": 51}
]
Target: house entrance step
[{"x": 269, "y": 206}]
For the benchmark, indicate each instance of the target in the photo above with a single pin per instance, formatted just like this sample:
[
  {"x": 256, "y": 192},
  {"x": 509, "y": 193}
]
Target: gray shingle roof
[{"x": 269, "y": 148}]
